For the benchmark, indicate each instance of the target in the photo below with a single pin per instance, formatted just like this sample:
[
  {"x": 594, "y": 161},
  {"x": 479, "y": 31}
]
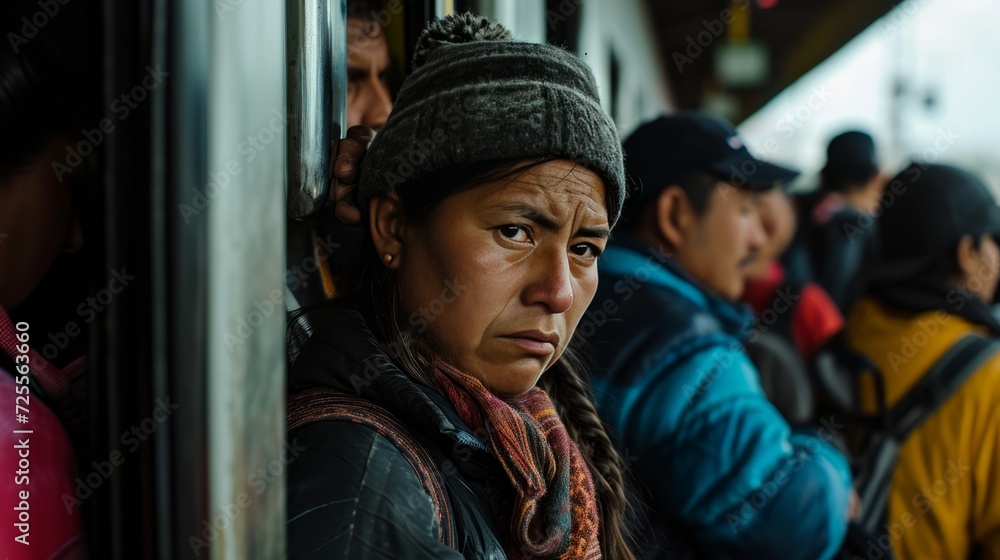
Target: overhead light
[{"x": 745, "y": 64}]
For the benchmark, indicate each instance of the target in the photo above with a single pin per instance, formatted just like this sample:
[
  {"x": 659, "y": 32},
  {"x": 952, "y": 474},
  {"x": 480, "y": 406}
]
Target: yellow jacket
[{"x": 945, "y": 495}]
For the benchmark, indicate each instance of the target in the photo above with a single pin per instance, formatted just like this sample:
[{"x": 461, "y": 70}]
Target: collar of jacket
[
  {"x": 53, "y": 383},
  {"x": 923, "y": 294},
  {"x": 344, "y": 354},
  {"x": 626, "y": 256}
]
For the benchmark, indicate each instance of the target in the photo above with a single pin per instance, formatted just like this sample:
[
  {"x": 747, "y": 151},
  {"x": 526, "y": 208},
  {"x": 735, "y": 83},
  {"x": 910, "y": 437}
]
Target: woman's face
[
  {"x": 501, "y": 274},
  {"x": 37, "y": 223}
]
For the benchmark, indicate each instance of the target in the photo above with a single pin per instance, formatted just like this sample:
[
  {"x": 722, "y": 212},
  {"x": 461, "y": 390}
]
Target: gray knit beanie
[{"x": 475, "y": 95}]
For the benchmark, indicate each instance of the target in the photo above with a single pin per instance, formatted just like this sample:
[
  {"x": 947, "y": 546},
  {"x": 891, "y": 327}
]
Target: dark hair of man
[
  {"x": 698, "y": 187},
  {"x": 844, "y": 182},
  {"x": 362, "y": 9},
  {"x": 373, "y": 288}
]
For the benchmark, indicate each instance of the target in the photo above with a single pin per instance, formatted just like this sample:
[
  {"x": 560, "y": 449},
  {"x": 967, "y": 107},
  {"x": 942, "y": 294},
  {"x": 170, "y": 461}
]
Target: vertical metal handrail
[
  {"x": 316, "y": 89},
  {"x": 219, "y": 353}
]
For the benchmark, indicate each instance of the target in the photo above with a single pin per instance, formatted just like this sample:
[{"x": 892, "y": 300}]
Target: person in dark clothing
[
  {"x": 469, "y": 431},
  {"x": 838, "y": 231},
  {"x": 673, "y": 382}
]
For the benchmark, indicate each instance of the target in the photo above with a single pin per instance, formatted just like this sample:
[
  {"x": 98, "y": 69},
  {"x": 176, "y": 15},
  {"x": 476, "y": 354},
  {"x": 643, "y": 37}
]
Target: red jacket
[
  {"x": 39, "y": 516},
  {"x": 815, "y": 318}
]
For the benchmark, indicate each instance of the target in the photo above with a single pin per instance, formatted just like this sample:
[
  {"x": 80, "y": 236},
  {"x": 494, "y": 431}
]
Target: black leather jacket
[{"x": 352, "y": 494}]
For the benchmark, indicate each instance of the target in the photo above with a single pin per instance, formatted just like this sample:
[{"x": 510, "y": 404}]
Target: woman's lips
[{"x": 534, "y": 342}]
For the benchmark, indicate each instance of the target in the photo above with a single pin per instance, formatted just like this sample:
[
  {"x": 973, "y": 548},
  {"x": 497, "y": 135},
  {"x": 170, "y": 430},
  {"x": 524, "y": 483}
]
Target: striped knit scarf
[{"x": 555, "y": 512}]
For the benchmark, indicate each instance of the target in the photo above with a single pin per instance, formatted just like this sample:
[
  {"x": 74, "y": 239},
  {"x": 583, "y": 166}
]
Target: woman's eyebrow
[
  {"x": 601, "y": 232},
  {"x": 548, "y": 222}
]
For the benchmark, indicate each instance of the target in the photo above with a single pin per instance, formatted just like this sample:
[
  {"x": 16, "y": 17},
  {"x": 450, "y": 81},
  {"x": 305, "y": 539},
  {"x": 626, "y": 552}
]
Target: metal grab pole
[{"x": 316, "y": 70}]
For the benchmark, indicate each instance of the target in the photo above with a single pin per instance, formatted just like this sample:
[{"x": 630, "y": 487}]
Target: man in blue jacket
[{"x": 720, "y": 463}]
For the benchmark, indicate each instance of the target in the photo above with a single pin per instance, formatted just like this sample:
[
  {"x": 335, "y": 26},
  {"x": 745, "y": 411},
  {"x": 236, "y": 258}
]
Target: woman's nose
[{"x": 552, "y": 285}]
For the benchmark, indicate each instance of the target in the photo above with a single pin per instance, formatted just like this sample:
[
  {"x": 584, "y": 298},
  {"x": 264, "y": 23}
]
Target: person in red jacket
[
  {"x": 49, "y": 92},
  {"x": 814, "y": 318},
  {"x": 38, "y": 462}
]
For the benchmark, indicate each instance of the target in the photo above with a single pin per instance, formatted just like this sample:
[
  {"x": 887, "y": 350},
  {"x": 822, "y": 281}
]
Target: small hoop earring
[{"x": 388, "y": 258}]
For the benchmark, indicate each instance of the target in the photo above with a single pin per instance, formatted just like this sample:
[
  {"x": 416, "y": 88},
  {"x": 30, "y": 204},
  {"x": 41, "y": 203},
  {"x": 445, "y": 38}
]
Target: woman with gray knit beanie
[{"x": 439, "y": 406}]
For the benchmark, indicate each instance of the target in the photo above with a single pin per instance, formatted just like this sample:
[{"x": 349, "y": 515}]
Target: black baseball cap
[
  {"x": 666, "y": 149},
  {"x": 932, "y": 207}
]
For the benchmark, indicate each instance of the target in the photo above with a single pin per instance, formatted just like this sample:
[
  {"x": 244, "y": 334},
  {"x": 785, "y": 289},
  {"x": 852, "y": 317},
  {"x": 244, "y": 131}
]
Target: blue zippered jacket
[{"x": 720, "y": 463}]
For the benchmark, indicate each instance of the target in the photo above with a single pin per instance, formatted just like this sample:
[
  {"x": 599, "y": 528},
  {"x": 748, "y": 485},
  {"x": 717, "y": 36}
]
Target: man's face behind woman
[{"x": 501, "y": 274}]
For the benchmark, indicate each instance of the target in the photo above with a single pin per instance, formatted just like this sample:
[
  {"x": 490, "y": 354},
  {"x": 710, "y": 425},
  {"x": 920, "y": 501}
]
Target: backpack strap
[
  {"x": 916, "y": 406},
  {"x": 939, "y": 383},
  {"x": 319, "y": 404}
]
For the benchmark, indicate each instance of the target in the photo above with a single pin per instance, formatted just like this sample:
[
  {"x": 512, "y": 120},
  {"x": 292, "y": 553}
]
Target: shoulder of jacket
[
  {"x": 352, "y": 493},
  {"x": 351, "y": 447},
  {"x": 693, "y": 344},
  {"x": 343, "y": 439},
  {"x": 354, "y": 458}
]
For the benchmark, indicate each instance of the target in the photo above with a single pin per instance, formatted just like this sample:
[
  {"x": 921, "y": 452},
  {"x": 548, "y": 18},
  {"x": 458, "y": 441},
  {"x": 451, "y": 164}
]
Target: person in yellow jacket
[{"x": 934, "y": 284}]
